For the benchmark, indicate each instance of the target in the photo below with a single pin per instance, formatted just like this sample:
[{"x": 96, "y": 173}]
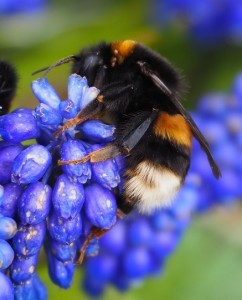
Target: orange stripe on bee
[
  {"x": 173, "y": 127},
  {"x": 122, "y": 49}
]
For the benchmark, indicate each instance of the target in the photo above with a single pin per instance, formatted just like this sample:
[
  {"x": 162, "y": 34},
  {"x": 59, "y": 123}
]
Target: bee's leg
[
  {"x": 122, "y": 146},
  {"x": 94, "y": 108},
  {"x": 94, "y": 233},
  {"x": 109, "y": 151},
  {"x": 109, "y": 93}
]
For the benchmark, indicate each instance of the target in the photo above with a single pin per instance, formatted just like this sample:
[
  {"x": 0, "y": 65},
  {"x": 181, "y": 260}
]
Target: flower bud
[
  {"x": 34, "y": 203},
  {"x": 21, "y": 269},
  {"x": 39, "y": 288},
  {"x": 45, "y": 93},
  {"x": 60, "y": 273},
  {"x": 100, "y": 206},
  {"x": 31, "y": 164},
  {"x": 71, "y": 150},
  {"x": 97, "y": 131},
  {"x": 67, "y": 197},
  {"x": 29, "y": 239},
  {"x": 8, "y": 201},
  {"x": 63, "y": 252},
  {"x": 79, "y": 92},
  {"x": 25, "y": 291},
  {"x": 6, "y": 254},
  {"x": 76, "y": 84},
  {"x": 17, "y": 127},
  {"x": 8, "y": 153},
  {"x": 65, "y": 230},
  {"x": 105, "y": 172},
  {"x": 8, "y": 228},
  {"x": 6, "y": 291},
  {"x": 68, "y": 109},
  {"x": 47, "y": 115}
]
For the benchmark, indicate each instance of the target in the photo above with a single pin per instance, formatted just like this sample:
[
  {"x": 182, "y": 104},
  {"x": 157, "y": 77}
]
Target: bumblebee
[
  {"x": 139, "y": 92},
  {"x": 8, "y": 83}
]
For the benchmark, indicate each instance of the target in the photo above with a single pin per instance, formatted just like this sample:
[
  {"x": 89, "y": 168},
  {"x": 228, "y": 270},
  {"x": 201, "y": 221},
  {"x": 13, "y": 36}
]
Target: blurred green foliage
[{"x": 207, "y": 265}]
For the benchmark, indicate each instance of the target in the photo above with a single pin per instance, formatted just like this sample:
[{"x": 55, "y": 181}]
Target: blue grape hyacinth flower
[
  {"x": 207, "y": 21},
  {"x": 44, "y": 203}
]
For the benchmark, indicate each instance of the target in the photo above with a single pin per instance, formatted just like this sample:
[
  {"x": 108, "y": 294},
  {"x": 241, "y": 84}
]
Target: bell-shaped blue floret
[
  {"x": 71, "y": 150},
  {"x": 31, "y": 164},
  {"x": 6, "y": 255},
  {"x": 100, "y": 206},
  {"x": 18, "y": 126},
  {"x": 29, "y": 239},
  {"x": 45, "y": 93},
  {"x": 68, "y": 197},
  {"x": 34, "y": 204}
]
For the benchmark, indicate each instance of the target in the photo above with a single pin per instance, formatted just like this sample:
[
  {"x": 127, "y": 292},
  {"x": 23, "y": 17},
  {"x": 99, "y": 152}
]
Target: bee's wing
[{"x": 196, "y": 132}]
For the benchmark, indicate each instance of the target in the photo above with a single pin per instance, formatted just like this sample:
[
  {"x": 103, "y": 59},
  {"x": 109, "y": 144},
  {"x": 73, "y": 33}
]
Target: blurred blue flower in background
[
  {"x": 8, "y": 7},
  {"x": 207, "y": 21},
  {"x": 44, "y": 204}
]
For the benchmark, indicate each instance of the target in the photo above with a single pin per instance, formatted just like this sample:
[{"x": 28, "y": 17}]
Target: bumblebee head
[{"x": 121, "y": 50}]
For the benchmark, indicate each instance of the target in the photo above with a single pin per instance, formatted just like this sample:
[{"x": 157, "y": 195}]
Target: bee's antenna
[{"x": 56, "y": 64}]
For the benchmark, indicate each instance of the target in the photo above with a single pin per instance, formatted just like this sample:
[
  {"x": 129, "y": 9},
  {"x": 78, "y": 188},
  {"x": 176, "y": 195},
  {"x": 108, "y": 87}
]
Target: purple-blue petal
[
  {"x": 63, "y": 252},
  {"x": 68, "y": 109},
  {"x": 60, "y": 273},
  {"x": 64, "y": 230},
  {"x": 6, "y": 254},
  {"x": 71, "y": 150},
  {"x": 76, "y": 84},
  {"x": 8, "y": 153},
  {"x": 45, "y": 93},
  {"x": 29, "y": 239},
  {"x": 100, "y": 206},
  {"x": 6, "y": 291},
  {"x": 31, "y": 164},
  {"x": 9, "y": 199},
  {"x": 47, "y": 115},
  {"x": 34, "y": 203},
  {"x": 22, "y": 269},
  {"x": 8, "y": 228},
  {"x": 19, "y": 126},
  {"x": 97, "y": 131},
  {"x": 105, "y": 172},
  {"x": 67, "y": 197}
]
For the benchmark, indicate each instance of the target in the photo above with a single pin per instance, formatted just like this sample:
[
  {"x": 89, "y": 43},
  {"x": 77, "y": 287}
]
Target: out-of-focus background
[{"x": 203, "y": 42}]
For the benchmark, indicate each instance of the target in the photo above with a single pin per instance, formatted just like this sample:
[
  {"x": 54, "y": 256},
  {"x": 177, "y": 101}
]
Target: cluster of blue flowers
[
  {"x": 33, "y": 187},
  {"x": 140, "y": 245},
  {"x": 45, "y": 205},
  {"x": 206, "y": 20}
]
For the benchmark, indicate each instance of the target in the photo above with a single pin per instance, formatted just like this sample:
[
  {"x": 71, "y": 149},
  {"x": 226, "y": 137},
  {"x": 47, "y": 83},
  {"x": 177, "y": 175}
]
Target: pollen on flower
[{"x": 31, "y": 234}]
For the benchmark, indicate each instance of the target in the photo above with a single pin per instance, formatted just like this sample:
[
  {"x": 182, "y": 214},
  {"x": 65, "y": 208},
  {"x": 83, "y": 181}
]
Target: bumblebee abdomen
[
  {"x": 149, "y": 187},
  {"x": 157, "y": 167}
]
